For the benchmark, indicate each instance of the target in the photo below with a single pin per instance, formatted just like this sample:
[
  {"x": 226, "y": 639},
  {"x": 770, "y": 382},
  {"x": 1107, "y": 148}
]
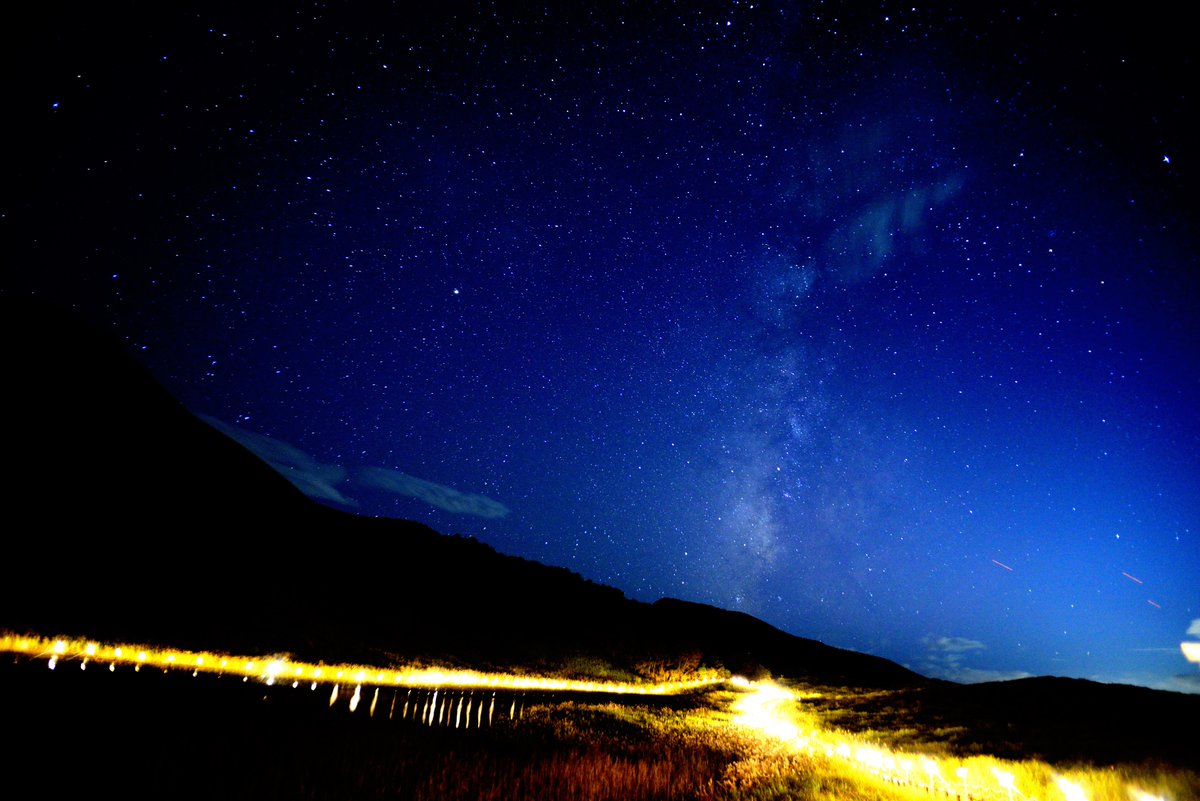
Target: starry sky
[{"x": 875, "y": 321}]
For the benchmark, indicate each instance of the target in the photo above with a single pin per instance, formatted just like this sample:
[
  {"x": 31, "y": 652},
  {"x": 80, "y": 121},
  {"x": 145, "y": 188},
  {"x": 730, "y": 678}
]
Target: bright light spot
[
  {"x": 60, "y": 647},
  {"x": 1191, "y": 651},
  {"x": 1138, "y": 794},
  {"x": 354, "y": 699},
  {"x": 91, "y": 649},
  {"x": 1071, "y": 790},
  {"x": 53, "y": 662},
  {"x": 760, "y": 710},
  {"x": 1005, "y": 779}
]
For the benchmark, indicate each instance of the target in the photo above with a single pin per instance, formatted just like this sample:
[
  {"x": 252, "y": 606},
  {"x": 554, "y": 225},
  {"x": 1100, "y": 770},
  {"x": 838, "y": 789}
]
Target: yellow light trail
[
  {"x": 764, "y": 709},
  {"x": 273, "y": 669}
]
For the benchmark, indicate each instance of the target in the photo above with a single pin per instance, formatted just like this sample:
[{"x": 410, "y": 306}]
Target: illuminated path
[
  {"x": 272, "y": 670},
  {"x": 763, "y": 709}
]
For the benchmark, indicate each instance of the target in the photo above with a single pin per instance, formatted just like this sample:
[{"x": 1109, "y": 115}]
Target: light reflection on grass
[{"x": 741, "y": 740}]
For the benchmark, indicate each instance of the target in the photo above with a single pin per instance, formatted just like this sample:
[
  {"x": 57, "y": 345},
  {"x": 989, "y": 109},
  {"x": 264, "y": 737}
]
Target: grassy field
[{"x": 170, "y": 736}]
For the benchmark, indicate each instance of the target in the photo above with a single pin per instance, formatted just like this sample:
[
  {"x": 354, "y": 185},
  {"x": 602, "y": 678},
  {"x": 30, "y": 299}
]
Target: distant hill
[{"x": 131, "y": 519}]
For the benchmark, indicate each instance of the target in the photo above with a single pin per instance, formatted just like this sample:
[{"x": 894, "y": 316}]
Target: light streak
[
  {"x": 764, "y": 709},
  {"x": 269, "y": 669},
  {"x": 1138, "y": 794},
  {"x": 1155, "y": 604},
  {"x": 1005, "y": 780},
  {"x": 1001, "y": 564},
  {"x": 760, "y": 710},
  {"x": 1071, "y": 790},
  {"x": 1132, "y": 578}
]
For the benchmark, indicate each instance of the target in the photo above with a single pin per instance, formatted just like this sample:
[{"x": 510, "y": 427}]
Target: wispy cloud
[
  {"x": 1186, "y": 683},
  {"x": 953, "y": 645},
  {"x": 1194, "y": 629},
  {"x": 311, "y": 477},
  {"x": 945, "y": 658},
  {"x": 438, "y": 495},
  {"x": 319, "y": 480}
]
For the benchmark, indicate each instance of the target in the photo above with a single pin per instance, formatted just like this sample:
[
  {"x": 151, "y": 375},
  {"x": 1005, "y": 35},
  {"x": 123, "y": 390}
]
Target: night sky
[{"x": 873, "y": 321}]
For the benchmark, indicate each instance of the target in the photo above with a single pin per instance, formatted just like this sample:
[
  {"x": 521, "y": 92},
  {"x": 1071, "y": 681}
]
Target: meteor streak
[
  {"x": 1132, "y": 578},
  {"x": 1001, "y": 564}
]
